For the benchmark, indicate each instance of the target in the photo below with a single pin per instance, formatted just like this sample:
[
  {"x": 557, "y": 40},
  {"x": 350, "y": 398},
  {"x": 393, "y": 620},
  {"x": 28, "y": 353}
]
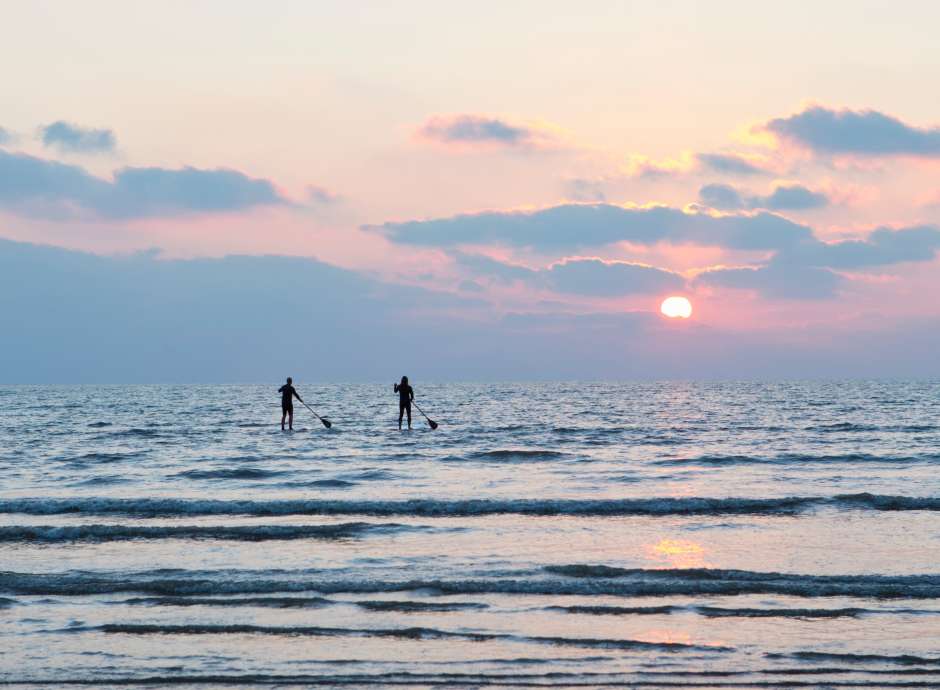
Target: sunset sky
[{"x": 519, "y": 184}]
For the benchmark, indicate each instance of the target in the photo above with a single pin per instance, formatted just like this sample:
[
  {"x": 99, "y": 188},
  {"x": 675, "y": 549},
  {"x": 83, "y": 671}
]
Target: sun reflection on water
[{"x": 677, "y": 553}]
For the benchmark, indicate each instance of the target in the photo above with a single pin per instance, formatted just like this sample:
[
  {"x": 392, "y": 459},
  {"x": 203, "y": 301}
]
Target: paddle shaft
[
  {"x": 430, "y": 421},
  {"x": 311, "y": 409},
  {"x": 419, "y": 409}
]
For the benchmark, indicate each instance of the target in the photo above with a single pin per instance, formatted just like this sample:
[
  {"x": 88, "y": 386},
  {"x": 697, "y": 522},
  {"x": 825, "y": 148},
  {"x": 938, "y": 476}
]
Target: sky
[{"x": 235, "y": 191}]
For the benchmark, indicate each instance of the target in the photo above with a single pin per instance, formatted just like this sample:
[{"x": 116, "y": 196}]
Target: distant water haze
[{"x": 80, "y": 318}]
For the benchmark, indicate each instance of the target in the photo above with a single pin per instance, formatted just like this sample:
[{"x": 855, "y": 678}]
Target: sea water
[{"x": 551, "y": 534}]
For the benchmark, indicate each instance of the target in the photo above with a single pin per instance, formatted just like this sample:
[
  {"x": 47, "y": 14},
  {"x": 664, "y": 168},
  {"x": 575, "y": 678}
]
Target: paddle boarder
[
  {"x": 406, "y": 395},
  {"x": 288, "y": 393}
]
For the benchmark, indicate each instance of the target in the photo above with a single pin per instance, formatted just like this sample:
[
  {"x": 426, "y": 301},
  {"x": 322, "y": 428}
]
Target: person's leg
[
  {"x": 290, "y": 417},
  {"x": 283, "y": 417},
  {"x": 409, "y": 416},
  {"x": 401, "y": 414}
]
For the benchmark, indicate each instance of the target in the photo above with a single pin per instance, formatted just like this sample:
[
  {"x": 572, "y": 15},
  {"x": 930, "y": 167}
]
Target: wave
[
  {"x": 232, "y": 473},
  {"x": 719, "y": 612},
  {"x": 156, "y": 507},
  {"x": 799, "y": 458},
  {"x": 517, "y": 455},
  {"x": 306, "y": 603},
  {"x": 262, "y": 602},
  {"x": 420, "y": 606},
  {"x": 552, "y": 580},
  {"x": 374, "y": 474},
  {"x": 843, "y": 427},
  {"x": 619, "y": 610},
  {"x": 100, "y": 457},
  {"x": 435, "y": 679},
  {"x": 113, "y": 533},
  {"x": 720, "y": 581},
  {"x": 412, "y": 633},
  {"x": 904, "y": 659},
  {"x": 134, "y": 433},
  {"x": 840, "y": 427},
  {"x": 102, "y": 480}
]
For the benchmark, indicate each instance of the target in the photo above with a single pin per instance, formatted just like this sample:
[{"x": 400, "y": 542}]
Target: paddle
[
  {"x": 431, "y": 422},
  {"x": 326, "y": 422}
]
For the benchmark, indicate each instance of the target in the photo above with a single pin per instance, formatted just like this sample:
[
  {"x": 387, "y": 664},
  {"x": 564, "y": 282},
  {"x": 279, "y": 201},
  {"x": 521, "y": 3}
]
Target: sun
[{"x": 676, "y": 308}]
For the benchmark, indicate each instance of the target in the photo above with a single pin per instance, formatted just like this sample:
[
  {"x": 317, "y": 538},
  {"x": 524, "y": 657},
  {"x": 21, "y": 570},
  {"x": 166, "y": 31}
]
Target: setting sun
[{"x": 676, "y": 308}]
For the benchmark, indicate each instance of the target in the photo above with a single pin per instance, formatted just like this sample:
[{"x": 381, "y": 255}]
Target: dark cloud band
[
  {"x": 794, "y": 197},
  {"x": 577, "y": 226},
  {"x": 43, "y": 188},
  {"x": 578, "y": 276},
  {"x": 858, "y": 132}
]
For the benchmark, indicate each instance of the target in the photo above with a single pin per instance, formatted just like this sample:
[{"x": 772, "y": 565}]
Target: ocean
[{"x": 546, "y": 535}]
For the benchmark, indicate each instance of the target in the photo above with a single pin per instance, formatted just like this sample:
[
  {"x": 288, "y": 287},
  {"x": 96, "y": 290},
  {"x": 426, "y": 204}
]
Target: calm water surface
[{"x": 712, "y": 535}]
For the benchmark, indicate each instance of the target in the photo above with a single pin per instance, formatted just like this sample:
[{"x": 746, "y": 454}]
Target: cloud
[
  {"x": 652, "y": 168},
  {"x": 585, "y": 189},
  {"x": 855, "y": 132},
  {"x": 730, "y": 164},
  {"x": 492, "y": 268},
  {"x": 882, "y": 247},
  {"x": 723, "y": 197},
  {"x": 800, "y": 264},
  {"x": 42, "y": 188},
  {"x": 787, "y": 197},
  {"x": 470, "y": 286},
  {"x": 577, "y": 226},
  {"x": 5, "y": 137},
  {"x": 776, "y": 281},
  {"x": 596, "y": 277},
  {"x": 480, "y": 131},
  {"x": 75, "y": 139},
  {"x": 735, "y": 164},
  {"x": 321, "y": 195},
  {"x": 793, "y": 197},
  {"x": 578, "y": 276},
  {"x": 142, "y": 318},
  {"x": 807, "y": 270}
]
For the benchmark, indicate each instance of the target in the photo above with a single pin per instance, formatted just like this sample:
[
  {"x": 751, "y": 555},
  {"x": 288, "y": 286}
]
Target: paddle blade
[
  {"x": 432, "y": 424},
  {"x": 327, "y": 423}
]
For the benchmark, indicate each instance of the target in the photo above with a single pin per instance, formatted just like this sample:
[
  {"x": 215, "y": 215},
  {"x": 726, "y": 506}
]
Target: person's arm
[
  {"x": 396, "y": 387},
  {"x": 297, "y": 395},
  {"x": 411, "y": 393},
  {"x": 281, "y": 389}
]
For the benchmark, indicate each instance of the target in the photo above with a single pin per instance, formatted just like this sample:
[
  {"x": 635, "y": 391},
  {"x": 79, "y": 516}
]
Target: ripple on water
[{"x": 231, "y": 473}]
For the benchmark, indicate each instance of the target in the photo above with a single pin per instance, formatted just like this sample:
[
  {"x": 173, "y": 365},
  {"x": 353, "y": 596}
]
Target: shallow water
[{"x": 713, "y": 535}]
